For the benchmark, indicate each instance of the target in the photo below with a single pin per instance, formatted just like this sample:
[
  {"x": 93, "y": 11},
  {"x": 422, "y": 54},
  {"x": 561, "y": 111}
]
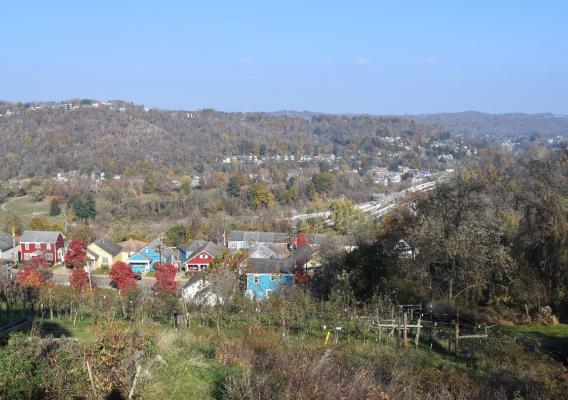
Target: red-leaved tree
[
  {"x": 122, "y": 276},
  {"x": 301, "y": 241},
  {"x": 165, "y": 278},
  {"x": 79, "y": 279},
  {"x": 34, "y": 274},
  {"x": 76, "y": 254}
]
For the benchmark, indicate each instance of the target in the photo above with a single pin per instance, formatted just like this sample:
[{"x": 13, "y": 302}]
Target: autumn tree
[
  {"x": 76, "y": 254},
  {"x": 323, "y": 182},
  {"x": 39, "y": 224},
  {"x": 35, "y": 274},
  {"x": 122, "y": 276},
  {"x": 259, "y": 196},
  {"x": 185, "y": 182},
  {"x": 13, "y": 221},
  {"x": 165, "y": 279},
  {"x": 301, "y": 240},
  {"x": 79, "y": 280},
  {"x": 346, "y": 217}
]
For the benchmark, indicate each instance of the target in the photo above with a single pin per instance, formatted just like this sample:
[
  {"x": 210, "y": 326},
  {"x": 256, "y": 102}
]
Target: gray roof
[
  {"x": 109, "y": 246},
  {"x": 195, "y": 278},
  {"x": 196, "y": 244},
  {"x": 5, "y": 241},
  {"x": 270, "y": 266},
  {"x": 211, "y": 248},
  {"x": 262, "y": 237},
  {"x": 264, "y": 250},
  {"x": 40, "y": 236}
]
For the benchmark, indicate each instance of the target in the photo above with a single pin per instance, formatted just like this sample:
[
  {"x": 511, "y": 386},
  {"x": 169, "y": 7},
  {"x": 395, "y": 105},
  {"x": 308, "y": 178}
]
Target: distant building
[
  {"x": 49, "y": 245},
  {"x": 202, "y": 256},
  {"x": 7, "y": 248},
  {"x": 146, "y": 259},
  {"x": 246, "y": 239},
  {"x": 103, "y": 253},
  {"x": 268, "y": 276}
]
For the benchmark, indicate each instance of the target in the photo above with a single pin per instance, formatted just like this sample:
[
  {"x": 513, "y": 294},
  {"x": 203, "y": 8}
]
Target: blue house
[
  {"x": 268, "y": 276},
  {"x": 144, "y": 260}
]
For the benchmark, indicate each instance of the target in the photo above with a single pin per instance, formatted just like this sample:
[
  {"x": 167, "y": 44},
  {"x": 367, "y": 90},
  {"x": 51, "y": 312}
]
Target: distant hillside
[
  {"x": 501, "y": 125},
  {"x": 41, "y": 139}
]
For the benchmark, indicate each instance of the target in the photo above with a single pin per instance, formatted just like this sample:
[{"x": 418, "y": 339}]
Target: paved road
[{"x": 61, "y": 277}]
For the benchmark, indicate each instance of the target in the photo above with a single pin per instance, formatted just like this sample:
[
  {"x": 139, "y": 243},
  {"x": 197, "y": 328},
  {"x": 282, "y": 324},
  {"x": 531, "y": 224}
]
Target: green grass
[
  {"x": 551, "y": 339},
  {"x": 26, "y": 209},
  {"x": 82, "y": 330},
  {"x": 188, "y": 369}
]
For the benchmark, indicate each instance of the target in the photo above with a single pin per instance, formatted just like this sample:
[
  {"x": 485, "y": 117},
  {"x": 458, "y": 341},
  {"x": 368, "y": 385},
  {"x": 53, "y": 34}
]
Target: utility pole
[{"x": 14, "y": 250}]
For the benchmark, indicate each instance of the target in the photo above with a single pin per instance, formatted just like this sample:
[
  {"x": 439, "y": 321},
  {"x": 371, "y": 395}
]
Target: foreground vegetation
[{"x": 245, "y": 354}]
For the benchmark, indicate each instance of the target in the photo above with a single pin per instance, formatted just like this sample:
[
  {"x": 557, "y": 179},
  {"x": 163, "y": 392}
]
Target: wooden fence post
[
  {"x": 417, "y": 339},
  {"x": 405, "y": 335}
]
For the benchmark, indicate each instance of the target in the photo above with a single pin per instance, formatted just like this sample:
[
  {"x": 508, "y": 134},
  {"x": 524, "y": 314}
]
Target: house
[
  {"x": 8, "y": 248},
  {"x": 198, "y": 290},
  {"x": 244, "y": 239},
  {"x": 184, "y": 251},
  {"x": 145, "y": 259},
  {"x": 131, "y": 246},
  {"x": 49, "y": 245},
  {"x": 103, "y": 253},
  {"x": 202, "y": 256},
  {"x": 267, "y": 276},
  {"x": 308, "y": 258},
  {"x": 262, "y": 250}
]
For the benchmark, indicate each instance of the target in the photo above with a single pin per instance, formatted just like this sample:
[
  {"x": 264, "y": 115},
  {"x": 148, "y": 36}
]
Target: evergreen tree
[{"x": 54, "y": 208}]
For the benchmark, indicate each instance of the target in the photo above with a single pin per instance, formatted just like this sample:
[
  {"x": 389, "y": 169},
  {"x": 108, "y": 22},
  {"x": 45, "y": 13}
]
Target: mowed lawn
[{"x": 26, "y": 209}]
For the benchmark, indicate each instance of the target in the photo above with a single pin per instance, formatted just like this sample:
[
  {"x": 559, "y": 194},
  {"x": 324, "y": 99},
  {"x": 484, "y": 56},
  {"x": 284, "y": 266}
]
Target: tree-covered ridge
[{"x": 121, "y": 138}]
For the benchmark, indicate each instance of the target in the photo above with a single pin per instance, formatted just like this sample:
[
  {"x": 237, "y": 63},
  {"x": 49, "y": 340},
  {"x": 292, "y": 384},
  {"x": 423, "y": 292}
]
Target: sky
[{"x": 376, "y": 57}]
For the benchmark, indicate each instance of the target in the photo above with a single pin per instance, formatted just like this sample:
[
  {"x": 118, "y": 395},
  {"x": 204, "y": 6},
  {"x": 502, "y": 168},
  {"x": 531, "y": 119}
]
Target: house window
[
  {"x": 48, "y": 246},
  {"x": 256, "y": 279},
  {"x": 268, "y": 293},
  {"x": 202, "y": 267},
  {"x": 105, "y": 261},
  {"x": 27, "y": 246},
  {"x": 27, "y": 256},
  {"x": 202, "y": 256},
  {"x": 48, "y": 256}
]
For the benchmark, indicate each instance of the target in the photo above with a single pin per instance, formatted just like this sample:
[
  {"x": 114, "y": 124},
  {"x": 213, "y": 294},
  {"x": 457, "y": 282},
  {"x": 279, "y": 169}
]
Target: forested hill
[
  {"x": 84, "y": 135},
  {"x": 501, "y": 125}
]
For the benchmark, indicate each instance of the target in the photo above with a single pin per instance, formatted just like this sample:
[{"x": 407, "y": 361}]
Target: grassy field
[
  {"x": 26, "y": 209},
  {"x": 549, "y": 339},
  {"x": 82, "y": 330}
]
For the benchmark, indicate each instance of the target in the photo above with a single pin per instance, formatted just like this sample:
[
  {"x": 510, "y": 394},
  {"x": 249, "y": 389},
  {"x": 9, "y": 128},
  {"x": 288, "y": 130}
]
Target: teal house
[
  {"x": 268, "y": 276},
  {"x": 145, "y": 259}
]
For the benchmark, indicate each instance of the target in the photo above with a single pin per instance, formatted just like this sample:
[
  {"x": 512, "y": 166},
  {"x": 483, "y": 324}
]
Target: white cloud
[
  {"x": 362, "y": 61},
  {"x": 246, "y": 60}
]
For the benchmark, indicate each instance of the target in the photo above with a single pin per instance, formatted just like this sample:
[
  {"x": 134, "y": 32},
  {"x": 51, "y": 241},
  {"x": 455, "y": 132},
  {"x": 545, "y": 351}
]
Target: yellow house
[{"x": 103, "y": 253}]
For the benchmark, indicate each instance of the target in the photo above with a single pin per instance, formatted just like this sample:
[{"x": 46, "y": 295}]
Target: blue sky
[{"x": 379, "y": 57}]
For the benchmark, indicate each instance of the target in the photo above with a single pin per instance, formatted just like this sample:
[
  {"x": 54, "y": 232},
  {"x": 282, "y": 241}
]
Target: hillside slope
[{"x": 41, "y": 140}]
